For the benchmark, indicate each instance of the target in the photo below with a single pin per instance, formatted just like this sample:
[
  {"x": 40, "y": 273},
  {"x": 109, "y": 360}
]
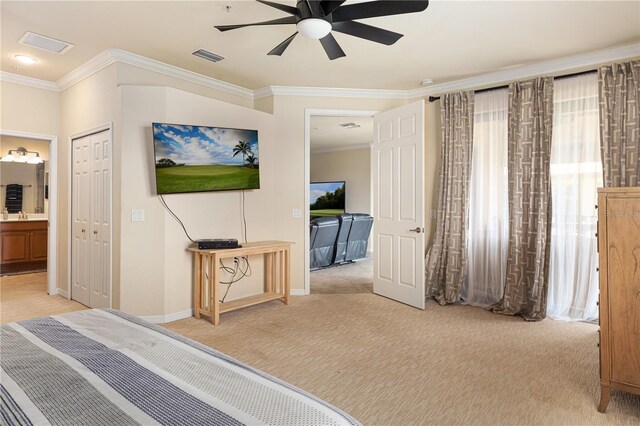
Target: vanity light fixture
[{"x": 21, "y": 155}]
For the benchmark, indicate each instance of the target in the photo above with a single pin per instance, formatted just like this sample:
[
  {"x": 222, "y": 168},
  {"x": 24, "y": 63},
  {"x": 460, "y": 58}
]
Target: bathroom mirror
[{"x": 23, "y": 187}]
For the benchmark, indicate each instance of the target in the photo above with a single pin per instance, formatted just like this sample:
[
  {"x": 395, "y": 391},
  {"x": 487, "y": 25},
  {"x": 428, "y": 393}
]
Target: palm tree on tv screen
[
  {"x": 251, "y": 160},
  {"x": 242, "y": 148}
]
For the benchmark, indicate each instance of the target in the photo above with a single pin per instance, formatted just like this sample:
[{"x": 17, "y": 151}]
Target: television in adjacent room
[
  {"x": 326, "y": 199},
  {"x": 201, "y": 158}
]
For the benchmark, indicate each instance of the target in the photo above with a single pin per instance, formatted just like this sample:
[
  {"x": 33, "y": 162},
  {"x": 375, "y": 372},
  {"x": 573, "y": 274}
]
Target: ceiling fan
[{"x": 316, "y": 19}]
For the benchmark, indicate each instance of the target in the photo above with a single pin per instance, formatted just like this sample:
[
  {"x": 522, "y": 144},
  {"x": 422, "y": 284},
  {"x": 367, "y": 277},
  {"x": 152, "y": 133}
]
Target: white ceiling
[
  {"x": 328, "y": 135},
  {"x": 449, "y": 41}
]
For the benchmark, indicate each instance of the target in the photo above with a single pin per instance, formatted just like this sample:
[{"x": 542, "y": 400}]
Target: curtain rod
[{"x": 575, "y": 74}]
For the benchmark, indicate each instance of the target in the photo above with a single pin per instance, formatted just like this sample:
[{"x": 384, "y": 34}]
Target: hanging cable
[
  {"x": 246, "y": 272},
  {"x": 244, "y": 219},
  {"x": 176, "y": 218}
]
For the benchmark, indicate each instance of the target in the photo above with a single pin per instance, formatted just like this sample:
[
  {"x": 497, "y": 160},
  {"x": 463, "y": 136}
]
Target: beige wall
[
  {"x": 28, "y": 109},
  {"x": 352, "y": 166},
  {"x": 156, "y": 269}
]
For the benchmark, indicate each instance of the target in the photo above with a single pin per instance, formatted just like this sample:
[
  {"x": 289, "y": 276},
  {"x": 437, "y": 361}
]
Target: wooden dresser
[
  {"x": 23, "y": 246},
  {"x": 619, "y": 263}
]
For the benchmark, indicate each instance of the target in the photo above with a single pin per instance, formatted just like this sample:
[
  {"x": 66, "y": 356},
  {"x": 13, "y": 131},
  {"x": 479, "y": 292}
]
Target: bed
[{"x": 103, "y": 366}]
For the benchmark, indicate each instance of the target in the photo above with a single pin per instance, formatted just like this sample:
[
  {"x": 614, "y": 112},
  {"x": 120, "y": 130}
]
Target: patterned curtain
[
  {"x": 529, "y": 152},
  {"x": 619, "y": 90},
  {"x": 447, "y": 258}
]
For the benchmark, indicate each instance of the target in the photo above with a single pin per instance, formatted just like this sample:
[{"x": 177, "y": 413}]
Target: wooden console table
[{"x": 206, "y": 296}]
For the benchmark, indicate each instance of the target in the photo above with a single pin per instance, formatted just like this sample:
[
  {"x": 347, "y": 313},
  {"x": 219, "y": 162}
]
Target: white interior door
[
  {"x": 100, "y": 220},
  {"x": 80, "y": 211},
  {"x": 91, "y": 220},
  {"x": 397, "y": 165}
]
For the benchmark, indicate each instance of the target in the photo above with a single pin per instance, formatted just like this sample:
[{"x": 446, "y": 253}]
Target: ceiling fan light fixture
[{"x": 313, "y": 28}]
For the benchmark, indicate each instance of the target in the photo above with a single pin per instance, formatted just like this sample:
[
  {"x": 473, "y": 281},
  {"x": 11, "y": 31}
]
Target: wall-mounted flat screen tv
[
  {"x": 201, "y": 158},
  {"x": 326, "y": 198}
]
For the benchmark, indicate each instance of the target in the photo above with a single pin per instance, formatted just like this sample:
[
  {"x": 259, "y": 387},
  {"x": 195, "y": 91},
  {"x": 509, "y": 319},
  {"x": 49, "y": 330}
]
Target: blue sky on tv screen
[
  {"x": 318, "y": 189},
  {"x": 199, "y": 145}
]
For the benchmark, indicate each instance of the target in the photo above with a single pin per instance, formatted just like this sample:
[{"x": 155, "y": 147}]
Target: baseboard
[
  {"x": 161, "y": 319},
  {"x": 61, "y": 292}
]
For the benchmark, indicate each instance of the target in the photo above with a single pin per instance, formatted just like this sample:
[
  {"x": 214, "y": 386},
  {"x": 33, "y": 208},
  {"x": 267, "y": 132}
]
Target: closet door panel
[{"x": 80, "y": 211}]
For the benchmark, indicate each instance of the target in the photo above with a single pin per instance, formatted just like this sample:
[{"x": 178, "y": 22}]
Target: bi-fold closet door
[{"x": 91, "y": 220}]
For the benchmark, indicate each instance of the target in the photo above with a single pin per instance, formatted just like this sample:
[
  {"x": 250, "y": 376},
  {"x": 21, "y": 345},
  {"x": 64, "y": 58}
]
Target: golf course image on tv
[
  {"x": 326, "y": 199},
  {"x": 200, "y": 158}
]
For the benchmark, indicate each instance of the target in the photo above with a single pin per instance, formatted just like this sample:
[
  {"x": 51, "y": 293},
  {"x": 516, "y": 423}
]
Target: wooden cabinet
[
  {"x": 24, "y": 246},
  {"x": 619, "y": 263}
]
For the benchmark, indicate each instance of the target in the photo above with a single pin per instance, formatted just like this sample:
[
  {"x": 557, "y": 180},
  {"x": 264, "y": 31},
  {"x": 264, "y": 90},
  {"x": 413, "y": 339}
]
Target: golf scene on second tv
[
  {"x": 200, "y": 158},
  {"x": 326, "y": 199}
]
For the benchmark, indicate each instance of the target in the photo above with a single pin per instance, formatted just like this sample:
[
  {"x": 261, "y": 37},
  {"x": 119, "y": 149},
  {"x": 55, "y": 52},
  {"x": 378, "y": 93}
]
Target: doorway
[
  {"x": 338, "y": 161},
  {"x": 29, "y": 203},
  {"x": 397, "y": 194}
]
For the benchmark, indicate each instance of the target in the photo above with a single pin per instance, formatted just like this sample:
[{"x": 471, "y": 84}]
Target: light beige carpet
[{"x": 389, "y": 364}]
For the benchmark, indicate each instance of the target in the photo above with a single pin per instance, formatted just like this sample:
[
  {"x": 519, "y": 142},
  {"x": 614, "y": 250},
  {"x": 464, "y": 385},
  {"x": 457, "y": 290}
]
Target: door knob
[
  {"x": 83, "y": 231},
  {"x": 418, "y": 230},
  {"x": 95, "y": 232}
]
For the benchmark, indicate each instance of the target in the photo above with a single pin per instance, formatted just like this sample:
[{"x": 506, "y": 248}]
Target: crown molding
[
  {"x": 180, "y": 73},
  {"x": 330, "y": 92},
  {"x": 342, "y": 148},
  {"x": 86, "y": 70},
  {"x": 28, "y": 81},
  {"x": 110, "y": 56},
  {"x": 554, "y": 66}
]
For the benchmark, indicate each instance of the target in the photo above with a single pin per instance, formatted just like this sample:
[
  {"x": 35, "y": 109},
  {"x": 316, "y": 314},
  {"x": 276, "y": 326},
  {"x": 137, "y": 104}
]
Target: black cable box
[{"x": 218, "y": 243}]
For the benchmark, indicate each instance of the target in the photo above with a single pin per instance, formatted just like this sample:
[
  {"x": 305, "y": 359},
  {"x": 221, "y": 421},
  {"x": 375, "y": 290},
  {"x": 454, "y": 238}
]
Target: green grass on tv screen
[
  {"x": 206, "y": 178},
  {"x": 326, "y": 212}
]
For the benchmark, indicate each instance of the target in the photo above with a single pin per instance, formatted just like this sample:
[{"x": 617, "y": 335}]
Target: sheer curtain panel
[
  {"x": 488, "y": 233},
  {"x": 576, "y": 173}
]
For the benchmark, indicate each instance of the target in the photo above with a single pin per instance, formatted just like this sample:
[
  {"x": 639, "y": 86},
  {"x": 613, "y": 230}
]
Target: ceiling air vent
[
  {"x": 45, "y": 43},
  {"x": 209, "y": 56}
]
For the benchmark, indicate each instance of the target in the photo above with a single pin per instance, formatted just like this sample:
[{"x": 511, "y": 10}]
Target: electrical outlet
[
  {"x": 137, "y": 215},
  {"x": 297, "y": 213}
]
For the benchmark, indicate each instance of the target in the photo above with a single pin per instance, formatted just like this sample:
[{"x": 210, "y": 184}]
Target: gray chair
[
  {"x": 324, "y": 232},
  {"x": 345, "y": 220},
  {"x": 358, "y": 236}
]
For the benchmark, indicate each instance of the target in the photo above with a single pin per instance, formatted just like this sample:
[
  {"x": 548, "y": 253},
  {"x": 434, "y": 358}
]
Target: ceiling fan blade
[
  {"x": 328, "y": 6},
  {"x": 331, "y": 46},
  {"x": 279, "y": 49},
  {"x": 367, "y": 32},
  {"x": 283, "y": 7},
  {"x": 285, "y": 20},
  {"x": 378, "y": 8}
]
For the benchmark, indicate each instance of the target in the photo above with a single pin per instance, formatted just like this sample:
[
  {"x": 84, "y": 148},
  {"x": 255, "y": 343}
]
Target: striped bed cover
[{"x": 103, "y": 366}]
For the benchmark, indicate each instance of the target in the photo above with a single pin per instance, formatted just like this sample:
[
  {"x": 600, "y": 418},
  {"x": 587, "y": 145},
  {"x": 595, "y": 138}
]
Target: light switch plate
[
  {"x": 433, "y": 214},
  {"x": 296, "y": 213},
  {"x": 137, "y": 215}
]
